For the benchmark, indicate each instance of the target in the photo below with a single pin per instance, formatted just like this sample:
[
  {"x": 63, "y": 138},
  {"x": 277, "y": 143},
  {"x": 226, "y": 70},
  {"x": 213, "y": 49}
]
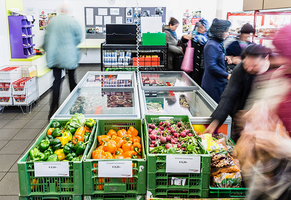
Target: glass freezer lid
[
  {"x": 164, "y": 79},
  {"x": 101, "y": 101},
  {"x": 177, "y": 103}
]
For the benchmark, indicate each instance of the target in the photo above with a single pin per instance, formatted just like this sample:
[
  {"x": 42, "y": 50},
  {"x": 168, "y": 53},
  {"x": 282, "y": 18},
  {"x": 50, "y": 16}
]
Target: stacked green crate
[
  {"x": 96, "y": 187},
  {"x": 159, "y": 182},
  {"x": 63, "y": 188}
]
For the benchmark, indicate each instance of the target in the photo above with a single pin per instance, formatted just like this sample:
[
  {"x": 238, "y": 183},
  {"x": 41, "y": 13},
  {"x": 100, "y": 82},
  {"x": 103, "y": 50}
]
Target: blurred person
[
  {"x": 215, "y": 75},
  {"x": 255, "y": 61},
  {"x": 198, "y": 40},
  {"x": 62, "y": 36},
  {"x": 240, "y": 42},
  {"x": 172, "y": 40}
]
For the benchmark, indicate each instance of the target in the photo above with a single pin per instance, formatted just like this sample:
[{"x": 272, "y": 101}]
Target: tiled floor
[{"x": 18, "y": 132}]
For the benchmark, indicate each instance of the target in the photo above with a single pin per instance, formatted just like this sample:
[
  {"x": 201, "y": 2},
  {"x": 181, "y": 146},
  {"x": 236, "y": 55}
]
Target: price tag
[
  {"x": 124, "y": 77},
  {"x": 115, "y": 168},
  {"x": 182, "y": 164},
  {"x": 51, "y": 169}
]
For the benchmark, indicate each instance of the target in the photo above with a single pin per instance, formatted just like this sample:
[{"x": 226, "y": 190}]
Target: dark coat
[
  {"x": 198, "y": 61},
  {"x": 215, "y": 75},
  {"x": 235, "y": 94},
  {"x": 234, "y": 49}
]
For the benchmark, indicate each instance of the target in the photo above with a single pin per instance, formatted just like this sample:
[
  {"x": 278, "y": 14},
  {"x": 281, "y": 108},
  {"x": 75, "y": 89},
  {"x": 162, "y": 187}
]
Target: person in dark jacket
[
  {"x": 172, "y": 40},
  {"x": 233, "y": 99},
  {"x": 198, "y": 40},
  {"x": 215, "y": 75},
  {"x": 235, "y": 48}
]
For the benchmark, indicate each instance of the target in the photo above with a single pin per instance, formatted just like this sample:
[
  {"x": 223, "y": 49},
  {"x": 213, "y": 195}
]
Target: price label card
[
  {"x": 124, "y": 76},
  {"x": 51, "y": 169},
  {"x": 115, "y": 169},
  {"x": 182, "y": 164}
]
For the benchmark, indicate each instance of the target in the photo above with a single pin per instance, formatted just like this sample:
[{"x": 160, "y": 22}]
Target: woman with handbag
[
  {"x": 198, "y": 40},
  {"x": 215, "y": 75},
  {"x": 171, "y": 39}
]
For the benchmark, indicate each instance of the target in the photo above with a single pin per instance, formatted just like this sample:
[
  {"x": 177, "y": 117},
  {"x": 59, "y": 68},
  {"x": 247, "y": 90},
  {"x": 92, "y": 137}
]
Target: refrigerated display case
[
  {"x": 99, "y": 95},
  {"x": 182, "y": 100},
  {"x": 166, "y": 81}
]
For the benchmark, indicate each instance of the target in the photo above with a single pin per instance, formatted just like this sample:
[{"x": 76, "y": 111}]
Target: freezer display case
[
  {"x": 99, "y": 95},
  {"x": 171, "y": 80},
  {"x": 195, "y": 103}
]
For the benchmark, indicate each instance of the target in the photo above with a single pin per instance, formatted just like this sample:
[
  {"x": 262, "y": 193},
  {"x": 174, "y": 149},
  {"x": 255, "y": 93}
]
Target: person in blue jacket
[
  {"x": 215, "y": 75},
  {"x": 62, "y": 36}
]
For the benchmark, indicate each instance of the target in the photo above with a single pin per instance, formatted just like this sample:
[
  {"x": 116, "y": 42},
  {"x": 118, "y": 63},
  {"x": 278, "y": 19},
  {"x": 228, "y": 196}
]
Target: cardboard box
[
  {"x": 253, "y": 5},
  {"x": 271, "y": 4}
]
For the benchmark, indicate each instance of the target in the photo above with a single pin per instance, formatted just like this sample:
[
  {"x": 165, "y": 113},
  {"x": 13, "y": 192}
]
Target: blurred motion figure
[{"x": 62, "y": 36}]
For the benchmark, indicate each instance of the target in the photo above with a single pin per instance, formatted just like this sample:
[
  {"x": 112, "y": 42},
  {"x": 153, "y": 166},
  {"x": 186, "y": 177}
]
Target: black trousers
[{"x": 57, "y": 72}]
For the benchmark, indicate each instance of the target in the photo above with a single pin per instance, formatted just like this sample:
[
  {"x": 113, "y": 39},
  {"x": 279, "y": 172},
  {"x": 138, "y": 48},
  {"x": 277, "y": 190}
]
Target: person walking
[
  {"x": 215, "y": 75},
  {"x": 62, "y": 36}
]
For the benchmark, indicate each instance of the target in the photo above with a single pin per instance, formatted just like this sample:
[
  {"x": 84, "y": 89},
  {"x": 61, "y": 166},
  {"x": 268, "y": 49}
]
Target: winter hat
[
  {"x": 247, "y": 28},
  {"x": 282, "y": 41},
  {"x": 218, "y": 27},
  {"x": 204, "y": 22}
]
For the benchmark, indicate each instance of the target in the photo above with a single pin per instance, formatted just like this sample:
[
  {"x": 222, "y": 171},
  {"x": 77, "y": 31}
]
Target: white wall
[{"x": 4, "y": 44}]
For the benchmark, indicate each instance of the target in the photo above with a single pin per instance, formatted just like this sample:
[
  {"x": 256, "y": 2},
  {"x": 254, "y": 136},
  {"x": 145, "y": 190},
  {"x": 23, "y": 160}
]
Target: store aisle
[{"x": 18, "y": 132}]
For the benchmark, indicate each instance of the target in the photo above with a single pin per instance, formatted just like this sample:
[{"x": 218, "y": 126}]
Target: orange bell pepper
[
  {"x": 111, "y": 132},
  {"x": 108, "y": 155},
  {"x": 119, "y": 142},
  {"x": 136, "y": 139},
  {"x": 98, "y": 154},
  {"x": 110, "y": 146},
  {"x": 127, "y": 138},
  {"x": 127, "y": 146},
  {"x": 136, "y": 147},
  {"x": 100, "y": 147},
  {"x": 121, "y": 133},
  {"x": 49, "y": 131},
  {"x": 118, "y": 157},
  {"x": 105, "y": 138},
  {"x": 119, "y": 152},
  {"x": 132, "y": 131},
  {"x": 78, "y": 138},
  {"x": 130, "y": 154},
  {"x": 80, "y": 131}
]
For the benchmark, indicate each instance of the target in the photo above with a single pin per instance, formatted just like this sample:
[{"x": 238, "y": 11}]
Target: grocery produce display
[
  {"x": 173, "y": 138},
  {"x": 123, "y": 144},
  {"x": 64, "y": 142}
]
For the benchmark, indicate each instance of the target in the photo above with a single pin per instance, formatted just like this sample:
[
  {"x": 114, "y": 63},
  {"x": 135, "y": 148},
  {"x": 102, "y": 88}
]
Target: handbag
[{"x": 187, "y": 64}]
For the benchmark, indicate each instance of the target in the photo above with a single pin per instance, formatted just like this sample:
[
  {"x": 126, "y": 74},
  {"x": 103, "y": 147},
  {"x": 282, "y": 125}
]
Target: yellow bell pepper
[
  {"x": 68, "y": 134},
  {"x": 60, "y": 153},
  {"x": 64, "y": 140}
]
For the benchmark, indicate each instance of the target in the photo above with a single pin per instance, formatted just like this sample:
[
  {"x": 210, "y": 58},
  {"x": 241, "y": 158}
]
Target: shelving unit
[
  {"x": 122, "y": 56},
  {"x": 21, "y": 37},
  {"x": 266, "y": 23}
]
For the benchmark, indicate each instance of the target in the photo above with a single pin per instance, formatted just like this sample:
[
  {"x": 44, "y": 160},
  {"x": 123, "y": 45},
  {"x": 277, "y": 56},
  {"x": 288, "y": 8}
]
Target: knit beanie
[
  {"x": 218, "y": 27},
  {"x": 247, "y": 28},
  {"x": 282, "y": 41}
]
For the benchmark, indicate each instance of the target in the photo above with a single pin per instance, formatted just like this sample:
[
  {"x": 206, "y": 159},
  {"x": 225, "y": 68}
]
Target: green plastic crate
[
  {"x": 54, "y": 197},
  {"x": 115, "y": 197},
  {"x": 31, "y": 185},
  {"x": 156, "y": 163},
  {"x": 135, "y": 185},
  {"x": 154, "y": 39},
  {"x": 176, "y": 193},
  {"x": 227, "y": 192}
]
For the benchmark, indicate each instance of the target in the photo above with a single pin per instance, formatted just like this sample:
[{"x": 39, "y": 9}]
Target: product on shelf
[
  {"x": 4, "y": 99},
  {"x": 9, "y": 68},
  {"x": 119, "y": 99},
  {"x": 19, "y": 84},
  {"x": 183, "y": 102},
  {"x": 108, "y": 81},
  {"x": 168, "y": 137},
  {"x": 64, "y": 142},
  {"x": 147, "y": 81},
  {"x": 123, "y": 144},
  {"x": 154, "y": 106},
  {"x": 4, "y": 87}
]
